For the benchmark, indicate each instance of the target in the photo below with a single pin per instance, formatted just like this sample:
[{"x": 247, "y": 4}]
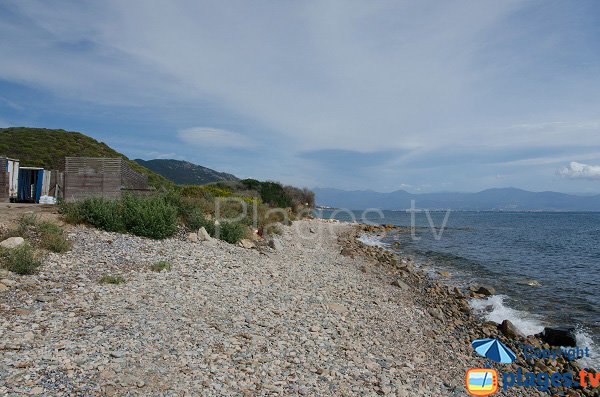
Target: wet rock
[
  {"x": 509, "y": 329},
  {"x": 485, "y": 290},
  {"x": 559, "y": 336}
]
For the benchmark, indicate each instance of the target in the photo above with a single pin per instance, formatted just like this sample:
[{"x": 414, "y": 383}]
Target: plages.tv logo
[{"x": 484, "y": 381}]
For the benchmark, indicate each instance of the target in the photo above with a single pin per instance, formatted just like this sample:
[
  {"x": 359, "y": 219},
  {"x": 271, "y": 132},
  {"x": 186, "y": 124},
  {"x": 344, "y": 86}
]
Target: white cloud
[
  {"x": 160, "y": 155},
  {"x": 362, "y": 76},
  {"x": 577, "y": 170},
  {"x": 214, "y": 137}
]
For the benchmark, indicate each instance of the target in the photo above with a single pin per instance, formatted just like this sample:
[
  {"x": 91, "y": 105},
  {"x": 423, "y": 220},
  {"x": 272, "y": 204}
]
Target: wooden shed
[
  {"x": 100, "y": 177},
  {"x": 9, "y": 175}
]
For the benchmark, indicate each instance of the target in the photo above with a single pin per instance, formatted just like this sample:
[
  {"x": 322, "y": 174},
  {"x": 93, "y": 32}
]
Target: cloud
[
  {"x": 458, "y": 91},
  {"x": 577, "y": 170},
  {"x": 160, "y": 155},
  {"x": 214, "y": 137},
  {"x": 366, "y": 77}
]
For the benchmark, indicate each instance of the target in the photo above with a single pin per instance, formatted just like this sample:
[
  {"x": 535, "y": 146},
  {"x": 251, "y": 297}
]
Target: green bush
[
  {"x": 154, "y": 216},
  {"x": 26, "y": 222},
  {"x": 196, "y": 220},
  {"x": 96, "y": 211},
  {"x": 106, "y": 279},
  {"x": 160, "y": 266},
  {"x": 149, "y": 216},
  {"x": 21, "y": 260},
  {"x": 52, "y": 237},
  {"x": 231, "y": 232}
]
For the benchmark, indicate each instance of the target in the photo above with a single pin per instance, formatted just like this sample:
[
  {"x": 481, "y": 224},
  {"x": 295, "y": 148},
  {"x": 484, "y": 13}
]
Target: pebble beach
[{"x": 320, "y": 315}]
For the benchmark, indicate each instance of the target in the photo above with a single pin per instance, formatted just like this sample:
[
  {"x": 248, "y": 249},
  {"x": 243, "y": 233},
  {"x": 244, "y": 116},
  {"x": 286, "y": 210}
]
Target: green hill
[
  {"x": 184, "y": 172},
  {"x": 42, "y": 147}
]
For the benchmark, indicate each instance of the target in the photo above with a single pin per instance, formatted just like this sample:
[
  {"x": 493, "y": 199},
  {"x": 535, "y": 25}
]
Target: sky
[{"x": 380, "y": 95}]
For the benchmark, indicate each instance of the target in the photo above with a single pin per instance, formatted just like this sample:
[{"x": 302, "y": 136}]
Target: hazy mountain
[
  {"x": 184, "y": 172},
  {"x": 506, "y": 199}
]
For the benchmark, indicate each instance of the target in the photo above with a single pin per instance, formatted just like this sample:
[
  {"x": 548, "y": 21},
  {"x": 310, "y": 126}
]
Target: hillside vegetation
[
  {"x": 47, "y": 148},
  {"x": 184, "y": 172}
]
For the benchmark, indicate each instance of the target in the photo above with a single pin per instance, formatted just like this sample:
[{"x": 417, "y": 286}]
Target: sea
[{"x": 544, "y": 266}]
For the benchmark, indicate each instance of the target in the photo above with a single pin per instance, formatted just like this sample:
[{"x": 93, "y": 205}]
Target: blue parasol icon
[{"x": 494, "y": 350}]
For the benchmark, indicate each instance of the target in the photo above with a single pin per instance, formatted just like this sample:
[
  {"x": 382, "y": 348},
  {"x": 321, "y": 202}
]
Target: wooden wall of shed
[
  {"x": 100, "y": 177},
  {"x": 92, "y": 177},
  {"x": 131, "y": 179}
]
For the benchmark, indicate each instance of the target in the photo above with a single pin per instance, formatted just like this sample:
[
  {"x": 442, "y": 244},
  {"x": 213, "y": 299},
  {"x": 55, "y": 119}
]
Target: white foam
[
  {"x": 583, "y": 341},
  {"x": 494, "y": 309},
  {"x": 372, "y": 240}
]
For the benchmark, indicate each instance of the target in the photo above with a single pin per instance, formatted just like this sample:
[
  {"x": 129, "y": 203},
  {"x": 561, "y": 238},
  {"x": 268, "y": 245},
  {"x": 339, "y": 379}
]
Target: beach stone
[
  {"x": 509, "y": 329},
  {"x": 400, "y": 284},
  {"x": 436, "y": 313},
  {"x": 276, "y": 244},
  {"x": 193, "y": 237},
  {"x": 336, "y": 307},
  {"x": 8, "y": 282},
  {"x": 3, "y": 287},
  {"x": 559, "y": 336},
  {"x": 12, "y": 242},
  {"x": 203, "y": 235},
  {"x": 245, "y": 243}
]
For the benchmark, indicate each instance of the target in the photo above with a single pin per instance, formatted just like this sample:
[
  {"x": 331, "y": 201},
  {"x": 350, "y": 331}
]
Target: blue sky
[{"x": 386, "y": 95}]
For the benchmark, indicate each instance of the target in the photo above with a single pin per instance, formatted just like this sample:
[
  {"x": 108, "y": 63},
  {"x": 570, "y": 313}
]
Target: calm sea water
[{"x": 558, "y": 251}]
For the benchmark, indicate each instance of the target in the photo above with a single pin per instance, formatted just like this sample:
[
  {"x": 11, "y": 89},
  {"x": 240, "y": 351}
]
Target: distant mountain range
[
  {"x": 505, "y": 199},
  {"x": 184, "y": 172}
]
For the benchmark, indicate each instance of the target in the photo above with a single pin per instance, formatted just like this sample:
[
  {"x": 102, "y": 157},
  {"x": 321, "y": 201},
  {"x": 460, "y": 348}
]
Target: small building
[
  {"x": 9, "y": 176},
  {"x": 30, "y": 183},
  {"x": 100, "y": 177}
]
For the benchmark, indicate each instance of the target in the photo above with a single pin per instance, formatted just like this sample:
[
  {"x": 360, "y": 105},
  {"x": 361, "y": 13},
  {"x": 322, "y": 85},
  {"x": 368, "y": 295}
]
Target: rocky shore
[{"x": 317, "y": 314}]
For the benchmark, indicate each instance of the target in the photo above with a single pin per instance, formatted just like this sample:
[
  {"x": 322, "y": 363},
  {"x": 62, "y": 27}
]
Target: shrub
[
  {"x": 231, "y": 232},
  {"x": 160, "y": 266},
  {"x": 149, "y": 216},
  {"x": 25, "y": 223},
  {"x": 216, "y": 191},
  {"x": 196, "y": 220},
  {"x": 98, "y": 212},
  {"x": 106, "y": 279},
  {"x": 154, "y": 217},
  {"x": 52, "y": 237},
  {"x": 21, "y": 260}
]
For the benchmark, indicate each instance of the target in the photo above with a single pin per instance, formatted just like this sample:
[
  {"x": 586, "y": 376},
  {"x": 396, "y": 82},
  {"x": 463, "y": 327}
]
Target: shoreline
[
  {"x": 365, "y": 240},
  {"x": 321, "y": 314}
]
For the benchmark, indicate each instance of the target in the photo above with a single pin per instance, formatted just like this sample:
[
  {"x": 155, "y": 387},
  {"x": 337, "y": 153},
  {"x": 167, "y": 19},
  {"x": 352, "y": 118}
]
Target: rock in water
[
  {"x": 486, "y": 290},
  {"x": 203, "y": 235},
  {"x": 12, "y": 242},
  {"x": 559, "y": 336},
  {"x": 509, "y": 329}
]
